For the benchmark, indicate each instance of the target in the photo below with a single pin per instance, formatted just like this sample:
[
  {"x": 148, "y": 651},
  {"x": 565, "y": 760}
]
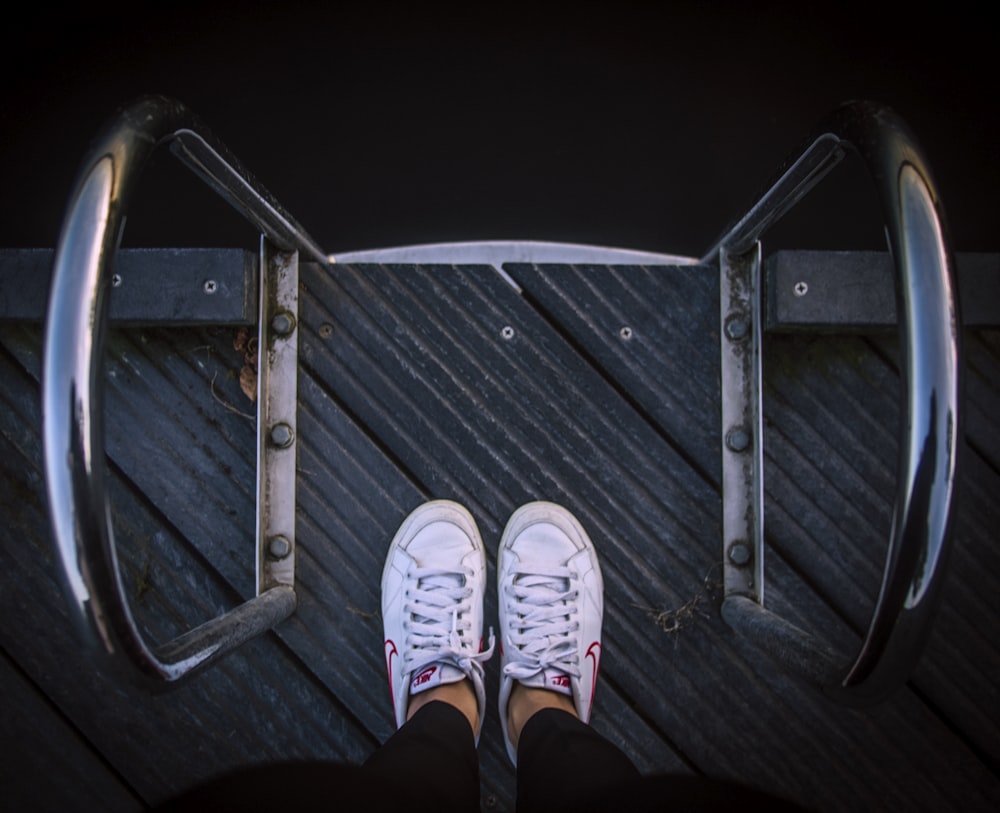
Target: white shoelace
[
  {"x": 435, "y": 628},
  {"x": 541, "y": 622}
]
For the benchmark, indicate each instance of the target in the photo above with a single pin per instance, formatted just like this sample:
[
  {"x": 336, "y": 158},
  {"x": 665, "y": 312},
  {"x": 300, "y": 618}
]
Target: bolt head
[
  {"x": 282, "y": 435},
  {"x": 738, "y": 439},
  {"x": 278, "y": 547},
  {"x": 737, "y": 328},
  {"x": 282, "y": 323},
  {"x": 739, "y": 553}
]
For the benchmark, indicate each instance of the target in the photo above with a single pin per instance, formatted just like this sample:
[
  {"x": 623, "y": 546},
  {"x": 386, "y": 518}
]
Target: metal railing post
[
  {"x": 72, "y": 383},
  {"x": 930, "y": 429}
]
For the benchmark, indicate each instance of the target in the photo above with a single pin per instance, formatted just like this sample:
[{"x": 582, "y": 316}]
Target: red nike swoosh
[
  {"x": 594, "y": 652},
  {"x": 390, "y": 653}
]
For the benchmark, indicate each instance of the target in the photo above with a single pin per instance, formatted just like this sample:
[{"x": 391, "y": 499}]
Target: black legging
[{"x": 430, "y": 763}]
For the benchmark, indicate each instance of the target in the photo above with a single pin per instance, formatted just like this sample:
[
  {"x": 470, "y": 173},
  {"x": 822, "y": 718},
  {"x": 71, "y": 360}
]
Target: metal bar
[
  {"x": 803, "y": 173},
  {"x": 277, "y": 381},
  {"x": 208, "y": 158},
  {"x": 800, "y": 652},
  {"x": 742, "y": 433},
  {"x": 499, "y": 253},
  {"x": 72, "y": 381},
  {"x": 929, "y": 327}
]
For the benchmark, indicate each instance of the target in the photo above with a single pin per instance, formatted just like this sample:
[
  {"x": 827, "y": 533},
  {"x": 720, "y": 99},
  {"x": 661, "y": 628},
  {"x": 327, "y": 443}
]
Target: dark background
[{"x": 646, "y": 126}]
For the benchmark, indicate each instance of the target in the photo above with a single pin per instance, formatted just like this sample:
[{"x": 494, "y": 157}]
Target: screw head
[
  {"x": 507, "y": 332},
  {"x": 210, "y": 286},
  {"x": 739, "y": 553},
  {"x": 282, "y": 435},
  {"x": 278, "y": 547},
  {"x": 801, "y": 288},
  {"x": 626, "y": 332},
  {"x": 738, "y": 439},
  {"x": 116, "y": 280}
]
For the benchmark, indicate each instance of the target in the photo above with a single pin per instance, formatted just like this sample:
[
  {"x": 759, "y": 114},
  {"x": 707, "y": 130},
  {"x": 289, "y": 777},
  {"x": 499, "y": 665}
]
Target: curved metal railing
[
  {"x": 930, "y": 434},
  {"x": 72, "y": 380}
]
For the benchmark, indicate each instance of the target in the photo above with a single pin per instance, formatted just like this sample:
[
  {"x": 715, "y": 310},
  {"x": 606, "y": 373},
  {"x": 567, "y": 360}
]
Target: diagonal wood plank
[{"x": 257, "y": 705}]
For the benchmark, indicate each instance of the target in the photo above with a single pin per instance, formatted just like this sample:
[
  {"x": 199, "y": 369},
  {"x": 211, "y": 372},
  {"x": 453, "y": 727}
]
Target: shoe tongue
[
  {"x": 441, "y": 544},
  {"x": 434, "y": 674},
  {"x": 555, "y": 680}
]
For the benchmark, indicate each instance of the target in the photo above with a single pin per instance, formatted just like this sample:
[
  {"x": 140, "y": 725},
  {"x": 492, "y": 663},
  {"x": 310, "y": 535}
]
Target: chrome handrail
[
  {"x": 72, "y": 380},
  {"x": 930, "y": 432}
]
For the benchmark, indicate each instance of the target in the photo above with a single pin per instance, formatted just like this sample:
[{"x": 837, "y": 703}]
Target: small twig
[
  {"x": 226, "y": 404},
  {"x": 143, "y": 582},
  {"x": 208, "y": 353},
  {"x": 674, "y": 620},
  {"x": 365, "y": 615}
]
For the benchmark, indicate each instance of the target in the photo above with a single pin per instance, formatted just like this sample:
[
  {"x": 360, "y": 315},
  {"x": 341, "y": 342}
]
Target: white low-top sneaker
[
  {"x": 551, "y": 598},
  {"x": 432, "y": 604}
]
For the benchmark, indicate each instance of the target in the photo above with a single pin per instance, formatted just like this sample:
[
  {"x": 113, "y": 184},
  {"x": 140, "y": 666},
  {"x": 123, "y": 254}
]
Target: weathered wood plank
[
  {"x": 165, "y": 286},
  {"x": 46, "y": 764},
  {"x": 410, "y": 390},
  {"x": 669, "y": 316},
  {"x": 257, "y": 705},
  {"x": 825, "y": 527}
]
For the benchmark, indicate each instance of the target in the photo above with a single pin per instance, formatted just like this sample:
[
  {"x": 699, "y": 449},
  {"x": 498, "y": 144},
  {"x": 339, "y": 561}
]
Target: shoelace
[
  {"x": 434, "y": 629},
  {"x": 542, "y": 622}
]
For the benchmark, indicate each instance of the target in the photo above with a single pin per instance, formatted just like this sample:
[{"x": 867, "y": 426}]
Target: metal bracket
[
  {"x": 277, "y": 381},
  {"x": 742, "y": 435}
]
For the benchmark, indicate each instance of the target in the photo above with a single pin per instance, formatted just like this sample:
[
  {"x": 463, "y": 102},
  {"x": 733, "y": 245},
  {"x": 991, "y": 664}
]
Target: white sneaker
[
  {"x": 432, "y": 604},
  {"x": 551, "y": 598}
]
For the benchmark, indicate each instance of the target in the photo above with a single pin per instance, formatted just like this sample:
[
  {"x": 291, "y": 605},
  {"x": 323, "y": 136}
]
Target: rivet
[
  {"x": 282, "y": 435},
  {"x": 738, "y": 439},
  {"x": 283, "y": 323},
  {"x": 211, "y": 286},
  {"x": 801, "y": 288},
  {"x": 739, "y": 553},
  {"x": 278, "y": 547},
  {"x": 737, "y": 328}
]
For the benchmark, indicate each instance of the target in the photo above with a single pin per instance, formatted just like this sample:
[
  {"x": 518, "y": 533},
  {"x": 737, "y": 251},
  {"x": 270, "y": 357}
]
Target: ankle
[
  {"x": 526, "y": 701},
  {"x": 461, "y": 695}
]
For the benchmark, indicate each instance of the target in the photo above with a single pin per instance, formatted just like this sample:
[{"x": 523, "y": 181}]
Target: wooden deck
[{"x": 409, "y": 390}]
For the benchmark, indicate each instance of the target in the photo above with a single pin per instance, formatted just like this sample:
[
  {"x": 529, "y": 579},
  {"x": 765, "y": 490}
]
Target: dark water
[{"x": 626, "y": 125}]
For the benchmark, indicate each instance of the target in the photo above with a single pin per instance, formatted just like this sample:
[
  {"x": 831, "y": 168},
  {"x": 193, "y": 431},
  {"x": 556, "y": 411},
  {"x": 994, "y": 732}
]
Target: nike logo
[
  {"x": 423, "y": 677},
  {"x": 594, "y": 653},
  {"x": 390, "y": 653}
]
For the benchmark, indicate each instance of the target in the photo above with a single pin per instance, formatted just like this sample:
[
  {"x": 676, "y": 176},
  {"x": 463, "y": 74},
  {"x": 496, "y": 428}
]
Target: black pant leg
[
  {"x": 563, "y": 763},
  {"x": 434, "y": 756}
]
